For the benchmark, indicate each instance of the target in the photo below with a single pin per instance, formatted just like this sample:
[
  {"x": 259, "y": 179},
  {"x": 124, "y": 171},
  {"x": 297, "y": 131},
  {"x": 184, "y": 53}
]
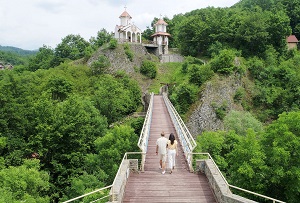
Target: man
[{"x": 161, "y": 150}]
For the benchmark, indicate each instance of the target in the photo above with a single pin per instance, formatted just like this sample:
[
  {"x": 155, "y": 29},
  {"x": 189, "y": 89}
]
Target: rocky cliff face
[
  {"x": 119, "y": 59},
  {"x": 217, "y": 92}
]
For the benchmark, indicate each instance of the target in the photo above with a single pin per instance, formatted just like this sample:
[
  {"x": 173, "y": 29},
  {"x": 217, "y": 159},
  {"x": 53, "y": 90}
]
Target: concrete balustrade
[{"x": 219, "y": 186}]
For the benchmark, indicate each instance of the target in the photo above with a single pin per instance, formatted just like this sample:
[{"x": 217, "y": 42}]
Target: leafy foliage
[
  {"x": 223, "y": 63},
  {"x": 149, "y": 69},
  {"x": 240, "y": 122},
  {"x": 102, "y": 38},
  {"x": 24, "y": 183},
  {"x": 200, "y": 74},
  {"x": 128, "y": 52},
  {"x": 101, "y": 65},
  {"x": 57, "y": 114},
  {"x": 72, "y": 47},
  {"x": 113, "y": 43},
  {"x": 44, "y": 59},
  {"x": 281, "y": 146},
  {"x": 208, "y": 30},
  {"x": 183, "y": 96},
  {"x": 12, "y": 58}
]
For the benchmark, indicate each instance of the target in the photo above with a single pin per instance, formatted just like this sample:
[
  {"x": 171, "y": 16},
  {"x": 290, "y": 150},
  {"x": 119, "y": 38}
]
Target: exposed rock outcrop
[
  {"x": 119, "y": 60},
  {"x": 217, "y": 92}
]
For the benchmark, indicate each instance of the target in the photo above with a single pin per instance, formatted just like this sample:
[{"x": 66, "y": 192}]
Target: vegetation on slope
[{"x": 55, "y": 115}]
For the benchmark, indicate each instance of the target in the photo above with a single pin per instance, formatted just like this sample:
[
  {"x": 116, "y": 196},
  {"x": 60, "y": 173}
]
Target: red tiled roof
[
  {"x": 125, "y": 14},
  {"x": 161, "y": 22},
  {"x": 160, "y": 33},
  {"x": 292, "y": 39}
]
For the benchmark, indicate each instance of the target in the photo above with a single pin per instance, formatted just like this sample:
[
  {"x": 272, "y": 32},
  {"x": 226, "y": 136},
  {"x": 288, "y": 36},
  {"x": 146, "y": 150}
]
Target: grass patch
[{"x": 168, "y": 73}]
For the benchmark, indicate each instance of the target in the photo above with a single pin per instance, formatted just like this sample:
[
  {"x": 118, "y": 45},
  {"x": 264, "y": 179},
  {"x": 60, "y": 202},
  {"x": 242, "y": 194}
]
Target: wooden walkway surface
[{"x": 151, "y": 185}]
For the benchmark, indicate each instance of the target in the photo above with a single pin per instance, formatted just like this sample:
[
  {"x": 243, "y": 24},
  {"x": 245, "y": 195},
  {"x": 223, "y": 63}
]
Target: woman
[{"x": 172, "y": 151}]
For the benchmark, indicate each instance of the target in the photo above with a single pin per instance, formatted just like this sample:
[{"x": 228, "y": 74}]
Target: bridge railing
[
  {"x": 115, "y": 192},
  {"x": 145, "y": 132},
  {"x": 186, "y": 139},
  {"x": 216, "y": 170}
]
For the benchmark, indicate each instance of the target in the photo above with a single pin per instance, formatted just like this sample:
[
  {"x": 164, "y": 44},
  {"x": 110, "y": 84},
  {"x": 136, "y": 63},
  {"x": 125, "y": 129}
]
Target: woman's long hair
[{"x": 172, "y": 138}]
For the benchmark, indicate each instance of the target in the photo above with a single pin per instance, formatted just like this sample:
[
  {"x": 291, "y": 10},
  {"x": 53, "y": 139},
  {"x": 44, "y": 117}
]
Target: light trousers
[{"x": 171, "y": 157}]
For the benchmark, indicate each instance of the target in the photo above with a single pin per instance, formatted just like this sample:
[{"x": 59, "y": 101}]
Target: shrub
[
  {"x": 223, "y": 63},
  {"x": 220, "y": 110},
  {"x": 148, "y": 69},
  {"x": 128, "y": 52},
  {"x": 113, "y": 43},
  {"x": 200, "y": 74},
  {"x": 100, "y": 66},
  {"x": 239, "y": 94},
  {"x": 184, "y": 68},
  {"x": 183, "y": 96},
  {"x": 193, "y": 60}
]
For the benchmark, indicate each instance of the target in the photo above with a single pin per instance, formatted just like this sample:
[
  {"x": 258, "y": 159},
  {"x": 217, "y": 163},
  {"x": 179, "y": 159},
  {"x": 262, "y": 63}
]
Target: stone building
[{"x": 127, "y": 31}]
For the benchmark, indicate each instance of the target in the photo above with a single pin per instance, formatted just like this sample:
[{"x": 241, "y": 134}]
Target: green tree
[
  {"x": 59, "y": 87},
  {"x": 24, "y": 183},
  {"x": 114, "y": 99},
  {"x": 247, "y": 164},
  {"x": 218, "y": 144},
  {"x": 251, "y": 34},
  {"x": 101, "y": 65},
  {"x": 223, "y": 63},
  {"x": 191, "y": 38},
  {"x": 183, "y": 96},
  {"x": 83, "y": 184},
  {"x": 71, "y": 47},
  {"x": 282, "y": 146},
  {"x": 112, "y": 147},
  {"x": 240, "y": 122},
  {"x": 42, "y": 60},
  {"x": 63, "y": 135},
  {"x": 102, "y": 37},
  {"x": 200, "y": 74}
]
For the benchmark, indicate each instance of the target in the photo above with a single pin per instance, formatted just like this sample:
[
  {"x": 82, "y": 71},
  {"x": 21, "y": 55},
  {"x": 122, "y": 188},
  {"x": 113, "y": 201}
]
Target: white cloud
[{"x": 29, "y": 24}]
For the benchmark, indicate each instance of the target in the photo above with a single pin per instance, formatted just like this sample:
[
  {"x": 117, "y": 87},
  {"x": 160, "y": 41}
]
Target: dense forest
[{"x": 63, "y": 127}]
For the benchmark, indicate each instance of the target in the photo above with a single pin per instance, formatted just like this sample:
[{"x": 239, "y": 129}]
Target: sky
[{"x": 30, "y": 24}]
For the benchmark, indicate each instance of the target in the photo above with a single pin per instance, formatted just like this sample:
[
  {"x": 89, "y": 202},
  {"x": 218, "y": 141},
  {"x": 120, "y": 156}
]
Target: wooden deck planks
[{"x": 152, "y": 186}]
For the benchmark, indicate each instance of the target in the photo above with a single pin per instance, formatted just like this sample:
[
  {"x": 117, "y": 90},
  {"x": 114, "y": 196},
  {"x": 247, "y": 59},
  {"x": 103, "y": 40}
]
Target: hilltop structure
[
  {"x": 161, "y": 37},
  {"x": 292, "y": 41},
  {"x": 127, "y": 31}
]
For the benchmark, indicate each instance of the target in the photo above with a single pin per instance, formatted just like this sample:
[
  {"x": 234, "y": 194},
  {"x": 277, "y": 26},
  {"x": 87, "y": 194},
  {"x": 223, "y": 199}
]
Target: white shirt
[{"x": 162, "y": 145}]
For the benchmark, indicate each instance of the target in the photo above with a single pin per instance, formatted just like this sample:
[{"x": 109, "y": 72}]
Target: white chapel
[{"x": 127, "y": 31}]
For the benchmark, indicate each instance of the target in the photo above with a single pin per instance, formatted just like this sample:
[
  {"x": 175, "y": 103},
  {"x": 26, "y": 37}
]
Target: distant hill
[{"x": 18, "y": 51}]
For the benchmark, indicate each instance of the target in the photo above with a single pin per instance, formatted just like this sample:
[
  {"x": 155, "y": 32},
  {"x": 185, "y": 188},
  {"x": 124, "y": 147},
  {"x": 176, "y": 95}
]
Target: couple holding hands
[{"x": 162, "y": 145}]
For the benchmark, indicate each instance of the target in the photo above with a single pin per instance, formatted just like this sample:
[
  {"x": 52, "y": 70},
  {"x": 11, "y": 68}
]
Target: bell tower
[{"x": 161, "y": 37}]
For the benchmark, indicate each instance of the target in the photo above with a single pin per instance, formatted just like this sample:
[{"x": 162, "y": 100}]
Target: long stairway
[{"x": 151, "y": 185}]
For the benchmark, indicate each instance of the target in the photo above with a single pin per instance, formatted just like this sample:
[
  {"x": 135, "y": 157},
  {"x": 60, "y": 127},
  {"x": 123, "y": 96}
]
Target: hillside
[
  {"x": 119, "y": 61},
  {"x": 18, "y": 51}
]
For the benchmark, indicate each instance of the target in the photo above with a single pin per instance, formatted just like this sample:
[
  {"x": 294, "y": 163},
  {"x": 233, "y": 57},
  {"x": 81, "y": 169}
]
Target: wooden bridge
[
  {"x": 151, "y": 185},
  {"x": 141, "y": 180}
]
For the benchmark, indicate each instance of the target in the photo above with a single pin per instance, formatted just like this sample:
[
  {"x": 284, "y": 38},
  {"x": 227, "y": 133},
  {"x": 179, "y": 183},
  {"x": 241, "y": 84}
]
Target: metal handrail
[
  {"x": 111, "y": 187},
  {"x": 235, "y": 187},
  {"x": 145, "y": 132},
  {"x": 87, "y": 194},
  {"x": 186, "y": 139},
  {"x": 119, "y": 171}
]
